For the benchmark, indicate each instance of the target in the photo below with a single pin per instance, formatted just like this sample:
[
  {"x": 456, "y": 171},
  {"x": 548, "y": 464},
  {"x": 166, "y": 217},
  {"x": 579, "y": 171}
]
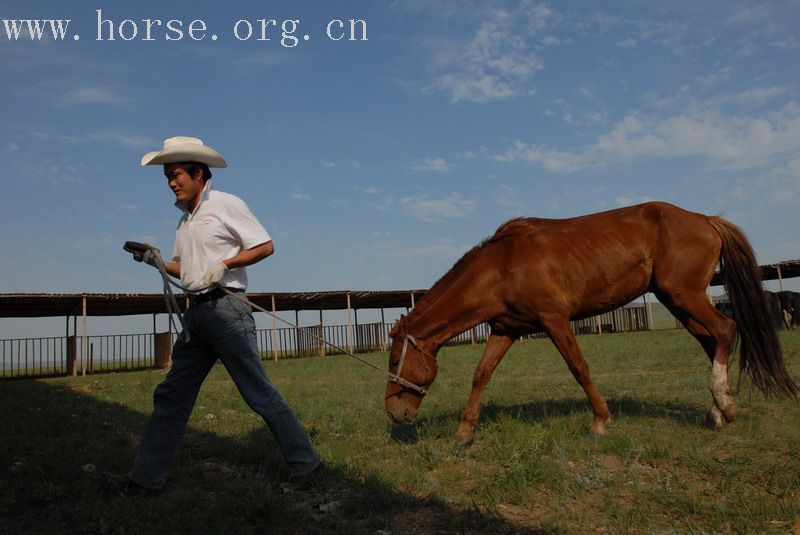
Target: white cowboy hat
[{"x": 184, "y": 149}]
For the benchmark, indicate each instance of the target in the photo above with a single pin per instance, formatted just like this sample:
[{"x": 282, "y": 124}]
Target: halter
[{"x": 396, "y": 377}]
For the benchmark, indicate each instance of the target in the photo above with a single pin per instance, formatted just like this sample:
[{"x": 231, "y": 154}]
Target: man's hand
[
  {"x": 148, "y": 257},
  {"x": 215, "y": 274}
]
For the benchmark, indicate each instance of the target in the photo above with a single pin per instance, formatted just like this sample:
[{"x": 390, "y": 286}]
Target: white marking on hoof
[
  {"x": 721, "y": 392},
  {"x": 599, "y": 428},
  {"x": 715, "y": 417}
]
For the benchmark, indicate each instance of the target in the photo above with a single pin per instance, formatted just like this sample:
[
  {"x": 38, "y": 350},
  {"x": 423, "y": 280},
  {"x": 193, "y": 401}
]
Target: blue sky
[{"x": 375, "y": 164}]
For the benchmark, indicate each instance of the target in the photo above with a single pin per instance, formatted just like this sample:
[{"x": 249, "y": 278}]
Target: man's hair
[{"x": 192, "y": 167}]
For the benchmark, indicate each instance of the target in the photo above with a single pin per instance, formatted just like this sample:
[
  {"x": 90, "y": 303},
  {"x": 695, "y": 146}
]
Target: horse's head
[{"x": 415, "y": 365}]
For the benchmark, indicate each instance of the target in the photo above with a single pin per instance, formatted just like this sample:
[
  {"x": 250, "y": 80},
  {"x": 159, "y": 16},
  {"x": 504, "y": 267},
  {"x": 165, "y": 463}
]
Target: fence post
[
  {"x": 649, "y": 309},
  {"x": 84, "y": 345},
  {"x": 321, "y": 335},
  {"x": 349, "y": 325},
  {"x": 274, "y": 331},
  {"x": 162, "y": 357},
  {"x": 72, "y": 355},
  {"x": 384, "y": 332}
]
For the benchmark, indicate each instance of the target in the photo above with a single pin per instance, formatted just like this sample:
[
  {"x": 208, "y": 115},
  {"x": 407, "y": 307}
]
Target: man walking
[{"x": 216, "y": 238}]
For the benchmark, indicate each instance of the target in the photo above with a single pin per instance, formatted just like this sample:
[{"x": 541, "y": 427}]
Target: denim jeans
[{"x": 222, "y": 328}]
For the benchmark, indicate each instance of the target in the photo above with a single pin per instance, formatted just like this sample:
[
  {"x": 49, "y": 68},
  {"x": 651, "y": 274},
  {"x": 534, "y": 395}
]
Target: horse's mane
[{"x": 510, "y": 228}]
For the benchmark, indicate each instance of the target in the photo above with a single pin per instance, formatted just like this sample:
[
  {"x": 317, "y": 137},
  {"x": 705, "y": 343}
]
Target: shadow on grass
[
  {"x": 57, "y": 439},
  {"x": 544, "y": 410}
]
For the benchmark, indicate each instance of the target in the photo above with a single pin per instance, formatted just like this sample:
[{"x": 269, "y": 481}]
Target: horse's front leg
[
  {"x": 496, "y": 348},
  {"x": 563, "y": 338}
]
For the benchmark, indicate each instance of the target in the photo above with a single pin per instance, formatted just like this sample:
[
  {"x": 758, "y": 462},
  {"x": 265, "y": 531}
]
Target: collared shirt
[{"x": 220, "y": 227}]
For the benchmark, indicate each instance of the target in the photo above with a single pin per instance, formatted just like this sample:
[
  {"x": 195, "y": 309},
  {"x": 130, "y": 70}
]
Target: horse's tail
[{"x": 760, "y": 350}]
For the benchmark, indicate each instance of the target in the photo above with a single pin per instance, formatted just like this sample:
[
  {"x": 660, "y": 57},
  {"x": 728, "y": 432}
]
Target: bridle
[{"x": 396, "y": 377}]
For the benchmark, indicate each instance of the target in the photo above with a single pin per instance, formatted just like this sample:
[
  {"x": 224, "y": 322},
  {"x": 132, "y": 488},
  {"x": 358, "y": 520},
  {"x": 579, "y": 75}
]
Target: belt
[{"x": 216, "y": 293}]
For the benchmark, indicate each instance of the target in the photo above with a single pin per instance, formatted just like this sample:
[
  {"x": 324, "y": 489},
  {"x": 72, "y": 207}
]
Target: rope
[
  {"x": 396, "y": 378},
  {"x": 139, "y": 249}
]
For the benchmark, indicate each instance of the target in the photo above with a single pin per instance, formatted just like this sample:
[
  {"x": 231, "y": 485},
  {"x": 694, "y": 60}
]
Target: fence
[{"x": 41, "y": 357}]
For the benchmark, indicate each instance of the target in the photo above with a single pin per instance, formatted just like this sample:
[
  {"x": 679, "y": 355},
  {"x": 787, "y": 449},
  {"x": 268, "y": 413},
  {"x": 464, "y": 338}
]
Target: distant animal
[
  {"x": 775, "y": 309},
  {"x": 541, "y": 273},
  {"x": 790, "y": 304},
  {"x": 773, "y": 305}
]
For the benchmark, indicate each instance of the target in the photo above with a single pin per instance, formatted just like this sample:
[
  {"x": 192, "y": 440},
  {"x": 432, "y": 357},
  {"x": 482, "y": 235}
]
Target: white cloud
[
  {"x": 628, "y": 200},
  {"x": 50, "y": 172},
  {"x": 438, "y": 165},
  {"x": 499, "y": 60},
  {"x": 442, "y": 249},
  {"x": 329, "y": 164},
  {"x": 262, "y": 60},
  {"x": 782, "y": 185},
  {"x": 507, "y": 197},
  {"x": 370, "y": 190},
  {"x": 91, "y": 95},
  {"x": 437, "y": 210},
  {"x": 112, "y": 137},
  {"x": 299, "y": 195},
  {"x": 386, "y": 204},
  {"x": 727, "y": 142},
  {"x": 12, "y": 147}
]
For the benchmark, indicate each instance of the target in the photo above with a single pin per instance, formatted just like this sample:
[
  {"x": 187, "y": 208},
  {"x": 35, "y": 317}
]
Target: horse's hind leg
[
  {"x": 496, "y": 348},
  {"x": 716, "y": 332},
  {"x": 563, "y": 338}
]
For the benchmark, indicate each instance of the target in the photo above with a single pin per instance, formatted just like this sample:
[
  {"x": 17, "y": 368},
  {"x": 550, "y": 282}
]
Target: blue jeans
[{"x": 221, "y": 328}]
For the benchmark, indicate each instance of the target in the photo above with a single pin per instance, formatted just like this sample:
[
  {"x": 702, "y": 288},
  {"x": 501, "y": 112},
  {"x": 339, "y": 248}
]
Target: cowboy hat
[{"x": 184, "y": 149}]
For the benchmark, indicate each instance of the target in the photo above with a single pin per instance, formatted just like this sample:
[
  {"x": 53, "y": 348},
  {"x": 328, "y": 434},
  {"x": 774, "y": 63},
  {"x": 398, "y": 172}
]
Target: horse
[
  {"x": 538, "y": 274},
  {"x": 774, "y": 307},
  {"x": 775, "y": 310},
  {"x": 790, "y": 304}
]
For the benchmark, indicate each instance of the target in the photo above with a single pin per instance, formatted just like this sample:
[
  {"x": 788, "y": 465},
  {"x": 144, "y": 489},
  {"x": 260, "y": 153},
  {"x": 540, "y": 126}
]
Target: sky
[{"x": 376, "y": 162}]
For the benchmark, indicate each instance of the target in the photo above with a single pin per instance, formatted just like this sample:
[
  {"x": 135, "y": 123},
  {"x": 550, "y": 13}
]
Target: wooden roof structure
[{"x": 40, "y": 305}]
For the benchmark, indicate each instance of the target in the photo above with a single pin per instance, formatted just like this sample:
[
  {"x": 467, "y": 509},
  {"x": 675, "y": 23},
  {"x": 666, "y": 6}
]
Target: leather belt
[{"x": 216, "y": 293}]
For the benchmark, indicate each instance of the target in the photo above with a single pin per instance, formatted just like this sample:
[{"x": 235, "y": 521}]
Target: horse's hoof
[
  {"x": 715, "y": 419},
  {"x": 599, "y": 429},
  {"x": 462, "y": 443},
  {"x": 730, "y": 412}
]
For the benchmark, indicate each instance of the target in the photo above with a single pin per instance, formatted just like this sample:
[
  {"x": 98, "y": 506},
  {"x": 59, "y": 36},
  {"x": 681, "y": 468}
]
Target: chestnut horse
[{"x": 538, "y": 274}]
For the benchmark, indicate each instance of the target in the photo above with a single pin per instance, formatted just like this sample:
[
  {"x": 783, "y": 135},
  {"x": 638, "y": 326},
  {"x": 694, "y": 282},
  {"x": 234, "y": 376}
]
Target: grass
[{"x": 534, "y": 468}]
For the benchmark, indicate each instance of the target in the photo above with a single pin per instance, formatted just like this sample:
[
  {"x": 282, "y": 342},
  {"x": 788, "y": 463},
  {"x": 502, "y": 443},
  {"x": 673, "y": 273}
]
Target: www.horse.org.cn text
[{"x": 285, "y": 32}]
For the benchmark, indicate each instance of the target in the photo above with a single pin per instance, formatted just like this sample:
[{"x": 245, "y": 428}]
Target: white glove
[
  {"x": 149, "y": 257},
  {"x": 215, "y": 274}
]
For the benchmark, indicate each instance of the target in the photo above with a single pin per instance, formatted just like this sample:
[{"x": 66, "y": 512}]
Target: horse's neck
[{"x": 449, "y": 311}]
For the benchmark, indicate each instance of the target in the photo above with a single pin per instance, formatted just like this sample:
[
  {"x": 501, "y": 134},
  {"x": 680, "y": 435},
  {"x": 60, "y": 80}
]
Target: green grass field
[{"x": 534, "y": 468}]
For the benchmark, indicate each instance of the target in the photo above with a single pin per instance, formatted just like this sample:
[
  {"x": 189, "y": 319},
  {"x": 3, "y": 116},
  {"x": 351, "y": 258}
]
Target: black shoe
[
  {"x": 300, "y": 482},
  {"x": 121, "y": 485}
]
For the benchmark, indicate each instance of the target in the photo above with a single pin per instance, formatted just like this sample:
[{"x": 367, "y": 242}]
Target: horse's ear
[{"x": 396, "y": 327}]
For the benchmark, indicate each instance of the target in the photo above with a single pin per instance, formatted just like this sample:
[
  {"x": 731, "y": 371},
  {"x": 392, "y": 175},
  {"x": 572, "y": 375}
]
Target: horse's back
[{"x": 596, "y": 262}]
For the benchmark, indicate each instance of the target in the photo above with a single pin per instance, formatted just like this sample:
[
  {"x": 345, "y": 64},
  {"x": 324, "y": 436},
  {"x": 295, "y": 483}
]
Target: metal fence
[
  {"x": 26, "y": 357},
  {"x": 41, "y": 357}
]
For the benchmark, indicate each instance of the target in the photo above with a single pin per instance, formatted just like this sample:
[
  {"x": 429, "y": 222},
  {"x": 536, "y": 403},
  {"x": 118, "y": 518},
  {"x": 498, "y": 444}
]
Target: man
[{"x": 216, "y": 238}]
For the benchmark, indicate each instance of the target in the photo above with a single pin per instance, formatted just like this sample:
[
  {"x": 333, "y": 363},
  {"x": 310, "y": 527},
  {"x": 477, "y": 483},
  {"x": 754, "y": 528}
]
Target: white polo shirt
[{"x": 220, "y": 226}]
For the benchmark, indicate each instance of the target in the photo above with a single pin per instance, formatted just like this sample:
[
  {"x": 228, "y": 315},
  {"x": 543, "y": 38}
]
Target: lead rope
[
  {"x": 392, "y": 376},
  {"x": 169, "y": 298},
  {"x": 173, "y": 308}
]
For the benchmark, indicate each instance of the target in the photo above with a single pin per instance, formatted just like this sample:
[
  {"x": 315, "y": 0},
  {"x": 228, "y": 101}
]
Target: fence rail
[{"x": 67, "y": 355}]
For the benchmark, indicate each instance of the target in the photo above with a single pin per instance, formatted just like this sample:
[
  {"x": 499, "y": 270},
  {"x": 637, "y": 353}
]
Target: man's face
[{"x": 185, "y": 187}]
